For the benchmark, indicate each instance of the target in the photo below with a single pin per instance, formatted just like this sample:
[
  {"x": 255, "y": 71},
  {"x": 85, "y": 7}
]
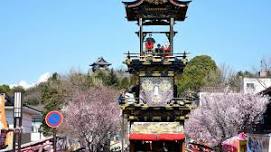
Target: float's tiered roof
[{"x": 156, "y": 9}]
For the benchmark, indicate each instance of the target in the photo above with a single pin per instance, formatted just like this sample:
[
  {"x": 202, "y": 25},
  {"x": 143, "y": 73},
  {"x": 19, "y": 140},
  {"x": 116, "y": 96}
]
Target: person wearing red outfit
[
  {"x": 167, "y": 50},
  {"x": 149, "y": 45}
]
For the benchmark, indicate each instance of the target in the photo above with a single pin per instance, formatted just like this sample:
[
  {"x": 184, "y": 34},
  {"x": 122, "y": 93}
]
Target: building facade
[
  {"x": 31, "y": 123},
  {"x": 255, "y": 85}
]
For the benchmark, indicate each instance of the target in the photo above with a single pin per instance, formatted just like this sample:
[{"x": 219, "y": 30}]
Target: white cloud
[
  {"x": 25, "y": 84},
  {"x": 43, "y": 78}
]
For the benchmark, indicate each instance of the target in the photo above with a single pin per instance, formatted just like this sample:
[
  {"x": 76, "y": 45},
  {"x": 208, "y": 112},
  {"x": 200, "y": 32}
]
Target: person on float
[
  {"x": 158, "y": 50},
  {"x": 167, "y": 50},
  {"x": 149, "y": 44},
  {"x": 121, "y": 98}
]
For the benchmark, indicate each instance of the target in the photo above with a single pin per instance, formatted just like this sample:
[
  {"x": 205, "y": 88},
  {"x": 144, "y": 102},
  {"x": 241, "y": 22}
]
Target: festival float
[{"x": 153, "y": 114}]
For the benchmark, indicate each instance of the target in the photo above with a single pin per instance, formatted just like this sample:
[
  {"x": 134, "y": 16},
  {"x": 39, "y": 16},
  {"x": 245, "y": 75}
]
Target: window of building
[{"x": 250, "y": 86}]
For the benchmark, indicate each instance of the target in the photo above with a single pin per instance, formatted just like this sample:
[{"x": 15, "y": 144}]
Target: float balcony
[
  {"x": 136, "y": 62},
  {"x": 140, "y": 112},
  {"x": 179, "y": 103}
]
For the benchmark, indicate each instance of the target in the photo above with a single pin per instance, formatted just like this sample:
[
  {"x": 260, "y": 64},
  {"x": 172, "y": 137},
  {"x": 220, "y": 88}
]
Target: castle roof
[{"x": 101, "y": 61}]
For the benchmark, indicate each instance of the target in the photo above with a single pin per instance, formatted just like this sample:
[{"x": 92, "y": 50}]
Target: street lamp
[{"x": 17, "y": 114}]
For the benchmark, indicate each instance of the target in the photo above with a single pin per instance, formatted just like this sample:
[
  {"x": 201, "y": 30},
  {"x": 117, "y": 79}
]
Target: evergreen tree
[
  {"x": 195, "y": 72},
  {"x": 113, "y": 80},
  {"x": 17, "y": 89},
  {"x": 52, "y": 98},
  {"x": 4, "y": 89},
  {"x": 124, "y": 83}
]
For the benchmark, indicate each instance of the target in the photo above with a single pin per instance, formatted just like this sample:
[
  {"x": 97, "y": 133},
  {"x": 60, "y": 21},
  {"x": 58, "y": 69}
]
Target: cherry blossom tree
[
  {"x": 92, "y": 117},
  {"x": 224, "y": 115}
]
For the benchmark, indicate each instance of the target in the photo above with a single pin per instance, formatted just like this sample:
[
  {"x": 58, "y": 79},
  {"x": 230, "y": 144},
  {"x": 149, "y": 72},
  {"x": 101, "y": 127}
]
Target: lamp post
[{"x": 17, "y": 114}]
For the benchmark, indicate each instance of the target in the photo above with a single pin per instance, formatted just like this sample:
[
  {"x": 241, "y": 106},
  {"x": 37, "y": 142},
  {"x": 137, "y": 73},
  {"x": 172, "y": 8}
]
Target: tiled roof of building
[{"x": 101, "y": 61}]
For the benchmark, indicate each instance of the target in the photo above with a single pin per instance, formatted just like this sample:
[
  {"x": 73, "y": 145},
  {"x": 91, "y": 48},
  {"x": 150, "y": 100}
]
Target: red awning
[{"x": 156, "y": 137}]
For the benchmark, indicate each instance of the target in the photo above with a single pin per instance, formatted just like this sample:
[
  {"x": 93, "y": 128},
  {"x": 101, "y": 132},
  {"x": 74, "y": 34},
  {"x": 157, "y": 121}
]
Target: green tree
[
  {"x": 4, "y": 89},
  {"x": 195, "y": 73},
  {"x": 52, "y": 98},
  {"x": 55, "y": 76},
  {"x": 124, "y": 83},
  {"x": 17, "y": 89},
  {"x": 100, "y": 76},
  {"x": 32, "y": 95},
  {"x": 113, "y": 79},
  {"x": 245, "y": 74}
]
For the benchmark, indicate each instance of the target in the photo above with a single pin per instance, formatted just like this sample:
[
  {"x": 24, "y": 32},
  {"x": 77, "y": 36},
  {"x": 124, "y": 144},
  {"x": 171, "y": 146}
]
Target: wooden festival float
[{"x": 153, "y": 114}]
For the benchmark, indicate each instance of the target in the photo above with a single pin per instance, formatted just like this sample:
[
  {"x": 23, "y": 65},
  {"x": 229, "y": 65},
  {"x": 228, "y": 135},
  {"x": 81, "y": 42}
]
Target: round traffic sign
[{"x": 54, "y": 119}]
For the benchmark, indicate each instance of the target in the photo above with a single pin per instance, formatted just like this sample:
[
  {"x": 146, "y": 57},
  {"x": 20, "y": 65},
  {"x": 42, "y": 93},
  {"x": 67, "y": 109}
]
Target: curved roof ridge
[
  {"x": 180, "y": 3},
  {"x": 139, "y": 2}
]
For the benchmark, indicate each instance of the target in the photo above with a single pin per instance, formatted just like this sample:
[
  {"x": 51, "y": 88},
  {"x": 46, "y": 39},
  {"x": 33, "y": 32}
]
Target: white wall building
[
  {"x": 255, "y": 85},
  {"x": 31, "y": 123},
  {"x": 252, "y": 85}
]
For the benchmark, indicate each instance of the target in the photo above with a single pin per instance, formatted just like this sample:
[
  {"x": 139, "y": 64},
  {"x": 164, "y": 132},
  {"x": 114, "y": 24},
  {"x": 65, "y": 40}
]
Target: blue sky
[{"x": 37, "y": 37}]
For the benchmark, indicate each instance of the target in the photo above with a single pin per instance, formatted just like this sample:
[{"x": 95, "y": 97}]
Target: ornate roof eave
[
  {"x": 94, "y": 64},
  {"x": 167, "y": 8},
  {"x": 174, "y": 2},
  {"x": 100, "y": 61},
  {"x": 180, "y": 3},
  {"x": 133, "y": 4}
]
